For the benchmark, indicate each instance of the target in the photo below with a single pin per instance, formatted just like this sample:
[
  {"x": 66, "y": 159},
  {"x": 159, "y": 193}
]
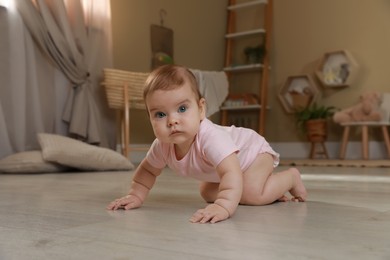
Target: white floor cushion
[
  {"x": 76, "y": 154},
  {"x": 28, "y": 162}
]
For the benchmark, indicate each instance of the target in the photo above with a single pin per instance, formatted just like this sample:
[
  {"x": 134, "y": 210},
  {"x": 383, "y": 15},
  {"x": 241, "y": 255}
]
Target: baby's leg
[
  {"x": 298, "y": 191},
  {"x": 262, "y": 187}
]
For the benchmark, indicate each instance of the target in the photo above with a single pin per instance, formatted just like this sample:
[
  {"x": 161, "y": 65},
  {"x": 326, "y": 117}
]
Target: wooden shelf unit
[
  {"x": 262, "y": 36},
  {"x": 337, "y": 69},
  {"x": 299, "y": 91}
]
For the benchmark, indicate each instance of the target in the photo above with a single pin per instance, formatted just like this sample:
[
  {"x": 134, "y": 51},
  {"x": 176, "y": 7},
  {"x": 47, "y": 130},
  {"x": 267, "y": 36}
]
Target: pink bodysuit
[{"x": 212, "y": 144}]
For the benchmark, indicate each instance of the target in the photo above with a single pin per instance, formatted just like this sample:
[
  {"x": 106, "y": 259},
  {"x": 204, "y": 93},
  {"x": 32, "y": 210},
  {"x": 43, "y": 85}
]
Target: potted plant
[
  {"x": 312, "y": 120},
  {"x": 254, "y": 54}
]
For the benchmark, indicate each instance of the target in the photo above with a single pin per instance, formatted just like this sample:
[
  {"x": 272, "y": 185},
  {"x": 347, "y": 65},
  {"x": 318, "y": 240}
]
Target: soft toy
[{"x": 368, "y": 109}]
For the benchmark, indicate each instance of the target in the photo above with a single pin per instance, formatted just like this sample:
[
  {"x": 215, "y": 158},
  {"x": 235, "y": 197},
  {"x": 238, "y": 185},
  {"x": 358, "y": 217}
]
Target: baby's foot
[
  {"x": 283, "y": 199},
  {"x": 298, "y": 191}
]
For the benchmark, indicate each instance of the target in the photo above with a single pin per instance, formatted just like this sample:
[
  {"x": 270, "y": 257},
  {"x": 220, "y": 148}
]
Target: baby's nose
[{"x": 172, "y": 121}]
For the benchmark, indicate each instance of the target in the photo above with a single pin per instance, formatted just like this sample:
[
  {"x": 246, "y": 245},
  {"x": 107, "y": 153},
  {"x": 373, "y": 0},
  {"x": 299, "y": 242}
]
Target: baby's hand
[
  {"x": 126, "y": 202},
  {"x": 212, "y": 213}
]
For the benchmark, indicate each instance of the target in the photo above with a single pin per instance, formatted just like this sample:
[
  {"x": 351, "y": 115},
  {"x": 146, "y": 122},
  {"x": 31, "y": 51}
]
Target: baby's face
[{"x": 175, "y": 115}]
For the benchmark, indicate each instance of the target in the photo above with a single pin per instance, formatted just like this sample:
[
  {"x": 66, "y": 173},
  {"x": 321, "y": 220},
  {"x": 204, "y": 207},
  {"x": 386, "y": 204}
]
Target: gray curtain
[
  {"x": 44, "y": 60},
  {"x": 31, "y": 89},
  {"x": 71, "y": 41}
]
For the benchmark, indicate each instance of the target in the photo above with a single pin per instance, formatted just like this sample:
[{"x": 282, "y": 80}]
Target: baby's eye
[
  {"x": 182, "y": 109},
  {"x": 159, "y": 114}
]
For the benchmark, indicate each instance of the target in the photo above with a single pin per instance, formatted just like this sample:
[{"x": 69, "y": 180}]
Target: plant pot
[{"x": 316, "y": 130}]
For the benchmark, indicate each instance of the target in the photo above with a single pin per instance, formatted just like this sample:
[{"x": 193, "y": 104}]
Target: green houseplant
[
  {"x": 254, "y": 54},
  {"x": 312, "y": 120}
]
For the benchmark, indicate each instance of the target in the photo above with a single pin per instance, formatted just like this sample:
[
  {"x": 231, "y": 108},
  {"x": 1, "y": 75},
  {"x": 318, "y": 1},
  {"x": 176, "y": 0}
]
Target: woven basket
[
  {"x": 114, "y": 83},
  {"x": 317, "y": 130}
]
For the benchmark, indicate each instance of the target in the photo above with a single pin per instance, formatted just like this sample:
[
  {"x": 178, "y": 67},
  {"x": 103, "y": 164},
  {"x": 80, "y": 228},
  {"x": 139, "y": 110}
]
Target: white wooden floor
[{"x": 63, "y": 216}]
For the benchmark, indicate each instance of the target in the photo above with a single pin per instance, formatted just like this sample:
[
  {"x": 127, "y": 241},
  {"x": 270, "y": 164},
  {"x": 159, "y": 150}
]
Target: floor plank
[{"x": 63, "y": 216}]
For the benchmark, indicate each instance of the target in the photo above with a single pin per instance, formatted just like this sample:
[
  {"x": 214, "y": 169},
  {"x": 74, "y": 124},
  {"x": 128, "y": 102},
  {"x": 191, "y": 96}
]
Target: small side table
[{"x": 365, "y": 126}]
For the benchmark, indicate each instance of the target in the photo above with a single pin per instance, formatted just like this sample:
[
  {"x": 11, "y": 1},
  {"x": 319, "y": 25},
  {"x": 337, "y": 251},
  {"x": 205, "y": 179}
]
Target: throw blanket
[{"x": 214, "y": 87}]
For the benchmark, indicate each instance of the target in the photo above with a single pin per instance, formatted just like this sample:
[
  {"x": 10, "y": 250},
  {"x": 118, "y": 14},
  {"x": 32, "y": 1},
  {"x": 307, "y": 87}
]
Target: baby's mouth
[{"x": 174, "y": 132}]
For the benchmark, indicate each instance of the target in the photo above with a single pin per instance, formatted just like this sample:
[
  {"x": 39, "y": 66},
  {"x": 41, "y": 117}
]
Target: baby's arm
[
  {"x": 143, "y": 181},
  {"x": 229, "y": 193}
]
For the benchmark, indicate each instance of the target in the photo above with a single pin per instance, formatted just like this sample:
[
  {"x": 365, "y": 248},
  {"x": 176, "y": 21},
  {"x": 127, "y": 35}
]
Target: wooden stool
[
  {"x": 314, "y": 151},
  {"x": 364, "y": 126}
]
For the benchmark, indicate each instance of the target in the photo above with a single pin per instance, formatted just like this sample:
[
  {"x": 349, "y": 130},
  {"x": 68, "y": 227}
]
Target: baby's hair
[{"x": 169, "y": 77}]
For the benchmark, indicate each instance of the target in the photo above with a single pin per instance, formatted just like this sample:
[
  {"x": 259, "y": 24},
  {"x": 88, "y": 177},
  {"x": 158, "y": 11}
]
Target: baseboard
[
  {"x": 294, "y": 150},
  {"x": 335, "y": 162}
]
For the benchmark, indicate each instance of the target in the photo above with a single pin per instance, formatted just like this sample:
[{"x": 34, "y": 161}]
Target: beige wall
[
  {"x": 199, "y": 28},
  {"x": 303, "y": 31}
]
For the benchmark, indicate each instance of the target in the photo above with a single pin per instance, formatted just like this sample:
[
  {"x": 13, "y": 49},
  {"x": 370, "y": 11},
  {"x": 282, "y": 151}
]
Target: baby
[{"x": 233, "y": 164}]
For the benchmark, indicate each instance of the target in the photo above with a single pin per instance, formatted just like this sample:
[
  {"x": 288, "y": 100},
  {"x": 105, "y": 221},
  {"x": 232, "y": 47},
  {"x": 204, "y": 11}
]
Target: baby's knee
[{"x": 253, "y": 197}]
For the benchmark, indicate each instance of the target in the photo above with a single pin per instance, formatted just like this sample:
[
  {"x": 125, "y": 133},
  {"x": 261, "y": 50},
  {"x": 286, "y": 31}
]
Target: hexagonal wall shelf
[
  {"x": 337, "y": 69},
  {"x": 298, "y": 91}
]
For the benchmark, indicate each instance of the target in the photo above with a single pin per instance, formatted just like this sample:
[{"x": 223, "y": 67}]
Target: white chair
[
  {"x": 124, "y": 90},
  {"x": 385, "y": 107}
]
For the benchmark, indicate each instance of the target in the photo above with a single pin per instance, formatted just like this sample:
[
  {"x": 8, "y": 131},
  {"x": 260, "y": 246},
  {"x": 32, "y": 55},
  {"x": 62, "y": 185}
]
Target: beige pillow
[
  {"x": 76, "y": 154},
  {"x": 28, "y": 162}
]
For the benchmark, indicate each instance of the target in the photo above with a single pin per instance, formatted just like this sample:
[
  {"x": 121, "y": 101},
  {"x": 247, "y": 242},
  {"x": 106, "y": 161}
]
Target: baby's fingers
[
  {"x": 117, "y": 204},
  {"x": 197, "y": 216},
  {"x": 132, "y": 205},
  {"x": 112, "y": 205},
  {"x": 202, "y": 216},
  {"x": 127, "y": 202},
  {"x": 216, "y": 219}
]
